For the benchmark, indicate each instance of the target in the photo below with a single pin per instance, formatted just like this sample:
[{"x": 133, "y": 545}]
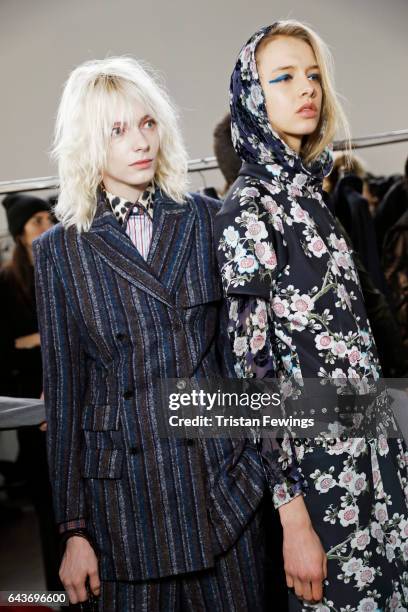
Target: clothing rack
[{"x": 210, "y": 163}]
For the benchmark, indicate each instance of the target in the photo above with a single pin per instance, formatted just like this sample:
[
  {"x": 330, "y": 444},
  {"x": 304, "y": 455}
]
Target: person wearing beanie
[
  {"x": 20, "y": 360},
  {"x": 27, "y": 218}
]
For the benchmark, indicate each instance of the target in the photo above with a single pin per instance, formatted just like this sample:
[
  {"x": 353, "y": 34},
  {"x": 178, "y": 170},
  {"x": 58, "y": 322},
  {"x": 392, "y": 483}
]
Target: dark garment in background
[
  {"x": 352, "y": 211},
  {"x": 390, "y": 210},
  {"x": 21, "y": 376},
  {"x": 210, "y": 192},
  {"x": 20, "y": 369},
  {"x": 391, "y": 352},
  {"x": 395, "y": 260}
]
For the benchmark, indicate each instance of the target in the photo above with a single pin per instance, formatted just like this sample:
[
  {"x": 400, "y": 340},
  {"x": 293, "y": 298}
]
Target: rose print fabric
[
  {"x": 297, "y": 311},
  {"x": 252, "y": 349}
]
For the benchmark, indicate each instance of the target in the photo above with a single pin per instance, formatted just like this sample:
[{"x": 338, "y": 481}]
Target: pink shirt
[{"x": 136, "y": 217}]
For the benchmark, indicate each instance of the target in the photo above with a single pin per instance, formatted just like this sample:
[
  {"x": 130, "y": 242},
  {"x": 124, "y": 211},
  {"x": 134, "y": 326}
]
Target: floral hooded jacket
[
  {"x": 296, "y": 307},
  {"x": 297, "y": 311}
]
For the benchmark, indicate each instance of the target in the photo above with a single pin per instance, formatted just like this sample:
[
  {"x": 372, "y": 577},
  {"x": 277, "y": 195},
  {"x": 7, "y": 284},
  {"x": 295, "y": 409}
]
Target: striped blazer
[{"x": 111, "y": 325}]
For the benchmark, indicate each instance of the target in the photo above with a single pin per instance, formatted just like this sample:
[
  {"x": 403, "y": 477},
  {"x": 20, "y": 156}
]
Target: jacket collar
[{"x": 172, "y": 235}]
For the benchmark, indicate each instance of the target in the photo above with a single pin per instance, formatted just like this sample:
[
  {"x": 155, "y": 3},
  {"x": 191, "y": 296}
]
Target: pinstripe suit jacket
[{"x": 111, "y": 324}]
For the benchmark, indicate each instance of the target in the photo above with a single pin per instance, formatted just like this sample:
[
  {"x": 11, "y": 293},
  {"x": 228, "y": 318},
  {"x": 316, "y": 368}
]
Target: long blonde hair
[
  {"x": 332, "y": 117},
  {"x": 92, "y": 94}
]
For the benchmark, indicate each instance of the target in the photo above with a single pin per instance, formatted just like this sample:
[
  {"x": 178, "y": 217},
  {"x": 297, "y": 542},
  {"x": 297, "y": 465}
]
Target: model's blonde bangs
[
  {"x": 332, "y": 118},
  {"x": 97, "y": 95}
]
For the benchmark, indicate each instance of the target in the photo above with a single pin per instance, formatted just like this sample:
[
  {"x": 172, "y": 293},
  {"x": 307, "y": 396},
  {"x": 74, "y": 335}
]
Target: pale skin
[
  {"x": 290, "y": 79},
  {"x": 130, "y": 144}
]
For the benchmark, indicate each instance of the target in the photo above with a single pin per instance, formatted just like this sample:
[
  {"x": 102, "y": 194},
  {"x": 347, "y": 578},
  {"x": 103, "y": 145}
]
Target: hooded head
[{"x": 253, "y": 136}]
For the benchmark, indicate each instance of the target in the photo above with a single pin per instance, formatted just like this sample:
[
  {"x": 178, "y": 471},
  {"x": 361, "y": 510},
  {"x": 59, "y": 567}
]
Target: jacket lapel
[
  {"x": 160, "y": 274},
  {"x": 171, "y": 241}
]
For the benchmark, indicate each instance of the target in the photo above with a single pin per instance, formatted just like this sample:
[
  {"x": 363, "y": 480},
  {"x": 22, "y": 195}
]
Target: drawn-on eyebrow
[{"x": 314, "y": 67}]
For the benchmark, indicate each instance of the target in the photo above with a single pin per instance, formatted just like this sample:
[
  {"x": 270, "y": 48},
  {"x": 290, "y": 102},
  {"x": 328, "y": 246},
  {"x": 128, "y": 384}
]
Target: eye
[
  {"x": 314, "y": 77},
  {"x": 149, "y": 123},
  {"x": 281, "y": 79},
  {"x": 117, "y": 130}
]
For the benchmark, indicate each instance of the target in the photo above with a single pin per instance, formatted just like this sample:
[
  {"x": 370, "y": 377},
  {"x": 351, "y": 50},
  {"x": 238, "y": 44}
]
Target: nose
[
  {"x": 308, "y": 89},
  {"x": 139, "y": 141}
]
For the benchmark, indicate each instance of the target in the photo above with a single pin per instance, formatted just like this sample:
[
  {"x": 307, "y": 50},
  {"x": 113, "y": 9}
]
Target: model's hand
[
  {"x": 304, "y": 556},
  {"x": 78, "y": 563},
  {"x": 27, "y": 342}
]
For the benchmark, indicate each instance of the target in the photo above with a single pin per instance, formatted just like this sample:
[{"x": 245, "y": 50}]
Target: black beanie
[{"x": 20, "y": 208}]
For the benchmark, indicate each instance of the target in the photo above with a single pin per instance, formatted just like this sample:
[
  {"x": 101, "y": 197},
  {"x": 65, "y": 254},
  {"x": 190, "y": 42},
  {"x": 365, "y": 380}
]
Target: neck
[
  {"x": 131, "y": 193},
  {"x": 294, "y": 142}
]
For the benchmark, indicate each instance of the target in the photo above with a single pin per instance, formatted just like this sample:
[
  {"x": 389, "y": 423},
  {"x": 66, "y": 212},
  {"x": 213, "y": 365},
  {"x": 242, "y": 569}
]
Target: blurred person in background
[
  {"x": 20, "y": 361},
  {"x": 350, "y": 164},
  {"x": 395, "y": 253},
  {"x": 228, "y": 161},
  {"x": 391, "y": 208},
  {"x": 349, "y": 192}
]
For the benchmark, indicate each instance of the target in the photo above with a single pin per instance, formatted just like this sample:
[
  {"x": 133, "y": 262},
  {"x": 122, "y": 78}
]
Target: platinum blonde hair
[
  {"x": 332, "y": 117},
  {"x": 96, "y": 94}
]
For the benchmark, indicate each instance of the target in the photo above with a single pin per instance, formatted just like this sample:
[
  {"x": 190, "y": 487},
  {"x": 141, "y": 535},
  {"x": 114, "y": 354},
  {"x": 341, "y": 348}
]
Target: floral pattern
[{"x": 297, "y": 311}]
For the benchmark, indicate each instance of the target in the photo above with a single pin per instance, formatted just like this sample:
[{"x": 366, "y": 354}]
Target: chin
[
  {"x": 308, "y": 128},
  {"x": 142, "y": 177}
]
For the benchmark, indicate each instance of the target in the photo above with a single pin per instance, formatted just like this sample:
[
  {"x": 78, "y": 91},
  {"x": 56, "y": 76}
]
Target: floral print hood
[{"x": 253, "y": 138}]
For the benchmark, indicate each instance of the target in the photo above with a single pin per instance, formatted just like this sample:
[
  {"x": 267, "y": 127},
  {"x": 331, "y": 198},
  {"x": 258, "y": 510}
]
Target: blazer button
[
  {"x": 190, "y": 442},
  {"x": 344, "y": 437},
  {"x": 120, "y": 337},
  {"x": 128, "y": 394},
  {"x": 331, "y": 442},
  {"x": 297, "y": 442},
  {"x": 133, "y": 450}
]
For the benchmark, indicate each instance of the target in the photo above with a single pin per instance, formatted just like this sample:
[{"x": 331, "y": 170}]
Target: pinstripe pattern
[
  {"x": 139, "y": 228},
  {"x": 235, "y": 584},
  {"x": 111, "y": 325},
  {"x": 136, "y": 218}
]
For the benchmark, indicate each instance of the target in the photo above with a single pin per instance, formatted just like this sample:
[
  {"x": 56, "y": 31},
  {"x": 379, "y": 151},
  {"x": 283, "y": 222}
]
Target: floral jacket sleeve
[{"x": 249, "y": 331}]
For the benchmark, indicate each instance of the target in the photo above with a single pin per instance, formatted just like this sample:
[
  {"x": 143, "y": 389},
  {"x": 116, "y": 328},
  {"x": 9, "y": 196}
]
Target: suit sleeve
[
  {"x": 249, "y": 331},
  {"x": 64, "y": 372}
]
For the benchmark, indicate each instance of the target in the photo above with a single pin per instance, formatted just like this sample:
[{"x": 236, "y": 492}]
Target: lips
[
  {"x": 307, "y": 110},
  {"x": 142, "y": 163}
]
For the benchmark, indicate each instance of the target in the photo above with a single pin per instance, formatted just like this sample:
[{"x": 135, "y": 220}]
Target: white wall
[{"x": 194, "y": 45}]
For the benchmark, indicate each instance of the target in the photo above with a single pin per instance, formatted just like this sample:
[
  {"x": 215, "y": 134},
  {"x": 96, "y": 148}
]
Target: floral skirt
[{"x": 358, "y": 504}]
